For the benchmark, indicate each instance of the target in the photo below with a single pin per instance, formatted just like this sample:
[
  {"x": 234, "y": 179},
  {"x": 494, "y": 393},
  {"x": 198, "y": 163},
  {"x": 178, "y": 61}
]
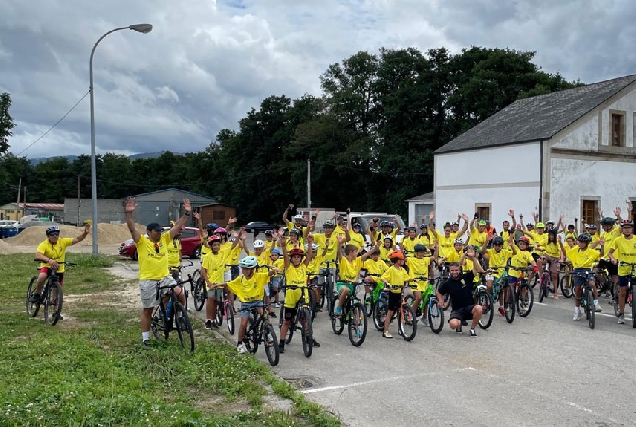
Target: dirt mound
[
  {"x": 5, "y": 248},
  {"x": 107, "y": 234}
]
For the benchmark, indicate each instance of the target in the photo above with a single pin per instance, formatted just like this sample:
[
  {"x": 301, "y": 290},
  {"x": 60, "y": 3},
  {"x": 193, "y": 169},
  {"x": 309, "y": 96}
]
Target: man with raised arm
[{"x": 153, "y": 262}]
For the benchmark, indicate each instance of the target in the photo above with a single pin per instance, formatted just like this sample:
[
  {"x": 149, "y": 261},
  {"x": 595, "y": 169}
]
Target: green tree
[
  {"x": 13, "y": 170},
  {"x": 6, "y": 122}
]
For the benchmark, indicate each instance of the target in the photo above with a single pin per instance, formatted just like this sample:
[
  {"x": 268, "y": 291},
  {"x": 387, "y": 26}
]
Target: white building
[{"x": 570, "y": 152}]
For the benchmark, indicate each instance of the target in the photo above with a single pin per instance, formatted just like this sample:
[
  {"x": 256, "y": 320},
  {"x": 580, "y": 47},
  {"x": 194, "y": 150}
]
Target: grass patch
[{"x": 91, "y": 370}]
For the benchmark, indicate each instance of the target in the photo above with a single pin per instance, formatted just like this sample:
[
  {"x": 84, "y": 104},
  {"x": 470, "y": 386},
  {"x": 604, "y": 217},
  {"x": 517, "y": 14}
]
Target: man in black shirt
[{"x": 461, "y": 288}]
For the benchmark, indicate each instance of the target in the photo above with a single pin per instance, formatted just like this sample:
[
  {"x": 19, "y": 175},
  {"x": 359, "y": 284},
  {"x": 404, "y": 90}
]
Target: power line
[{"x": 56, "y": 123}]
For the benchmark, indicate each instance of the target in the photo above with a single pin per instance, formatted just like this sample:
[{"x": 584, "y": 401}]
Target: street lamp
[{"x": 140, "y": 28}]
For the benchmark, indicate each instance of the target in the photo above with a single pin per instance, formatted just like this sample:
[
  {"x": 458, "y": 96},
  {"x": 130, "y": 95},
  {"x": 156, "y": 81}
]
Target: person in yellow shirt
[
  {"x": 249, "y": 288},
  {"x": 374, "y": 268},
  {"x": 552, "y": 255},
  {"x": 395, "y": 277},
  {"x": 456, "y": 254},
  {"x": 410, "y": 240},
  {"x": 174, "y": 255},
  {"x": 277, "y": 265},
  {"x": 153, "y": 263},
  {"x": 313, "y": 269},
  {"x": 477, "y": 234},
  {"x": 52, "y": 252},
  {"x": 357, "y": 239},
  {"x": 298, "y": 221},
  {"x": 624, "y": 250},
  {"x": 447, "y": 240},
  {"x": 508, "y": 229},
  {"x": 295, "y": 239},
  {"x": 349, "y": 266},
  {"x": 295, "y": 275},
  {"x": 419, "y": 272},
  {"x": 610, "y": 233},
  {"x": 583, "y": 256},
  {"x": 496, "y": 259},
  {"x": 386, "y": 248},
  {"x": 326, "y": 240},
  {"x": 213, "y": 271},
  {"x": 520, "y": 259}
]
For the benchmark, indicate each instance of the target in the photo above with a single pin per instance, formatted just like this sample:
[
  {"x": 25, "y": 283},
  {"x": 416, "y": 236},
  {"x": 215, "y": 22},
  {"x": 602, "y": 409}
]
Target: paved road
[{"x": 542, "y": 370}]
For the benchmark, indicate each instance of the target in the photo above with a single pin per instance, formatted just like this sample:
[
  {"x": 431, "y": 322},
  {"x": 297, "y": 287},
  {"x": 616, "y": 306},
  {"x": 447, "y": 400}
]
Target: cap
[
  {"x": 154, "y": 226},
  {"x": 482, "y": 222}
]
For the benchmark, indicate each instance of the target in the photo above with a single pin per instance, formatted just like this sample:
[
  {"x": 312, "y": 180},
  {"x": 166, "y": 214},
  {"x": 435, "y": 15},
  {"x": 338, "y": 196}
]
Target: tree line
[{"x": 370, "y": 137}]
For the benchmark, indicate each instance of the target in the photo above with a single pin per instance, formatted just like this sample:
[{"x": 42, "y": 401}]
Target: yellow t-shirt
[
  {"x": 153, "y": 258},
  {"x": 339, "y": 231},
  {"x": 349, "y": 270},
  {"x": 279, "y": 264},
  {"x": 57, "y": 252},
  {"x": 610, "y": 237},
  {"x": 214, "y": 265},
  {"x": 553, "y": 250},
  {"x": 332, "y": 250},
  {"x": 375, "y": 267},
  {"x": 498, "y": 260},
  {"x": 249, "y": 290},
  {"x": 174, "y": 252},
  {"x": 408, "y": 245},
  {"x": 396, "y": 277},
  {"x": 454, "y": 256},
  {"x": 446, "y": 245},
  {"x": 418, "y": 267},
  {"x": 314, "y": 265},
  {"x": 296, "y": 276},
  {"x": 468, "y": 267},
  {"x": 263, "y": 258},
  {"x": 477, "y": 238},
  {"x": 384, "y": 254},
  {"x": 582, "y": 259},
  {"x": 624, "y": 250},
  {"x": 521, "y": 260},
  {"x": 204, "y": 249},
  {"x": 291, "y": 245},
  {"x": 425, "y": 239},
  {"x": 505, "y": 235},
  {"x": 357, "y": 239},
  {"x": 539, "y": 240},
  {"x": 233, "y": 256}
]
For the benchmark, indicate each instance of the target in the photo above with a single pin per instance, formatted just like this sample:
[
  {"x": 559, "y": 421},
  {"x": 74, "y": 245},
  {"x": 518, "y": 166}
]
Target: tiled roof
[
  {"x": 536, "y": 118},
  {"x": 44, "y": 206},
  {"x": 425, "y": 196}
]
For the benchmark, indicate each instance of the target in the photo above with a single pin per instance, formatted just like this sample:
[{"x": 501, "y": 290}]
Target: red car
[{"x": 190, "y": 244}]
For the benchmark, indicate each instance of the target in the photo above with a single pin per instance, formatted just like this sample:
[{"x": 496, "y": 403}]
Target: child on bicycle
[
  {"x": 249, "y": 287},
  {"x": 213, "y": 271},
  {"x": 313, "y": 268},
  {"x": 497, "y": 257},
  {"x": 276, "y": 266},
  {"x": 419, "y": 273},
  {"x": 295, "y": 275},
  {"x": 395, "y": 276},
  {"x": 521, "y": 259},
  {"x": 375, "y": 267},
  {"x": 582, "y": 258}
]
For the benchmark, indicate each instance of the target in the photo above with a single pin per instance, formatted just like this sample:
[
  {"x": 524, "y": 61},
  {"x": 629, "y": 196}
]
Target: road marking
[
  {"x": 540, "y": 303},
  {"x": 381, "y": 380}
]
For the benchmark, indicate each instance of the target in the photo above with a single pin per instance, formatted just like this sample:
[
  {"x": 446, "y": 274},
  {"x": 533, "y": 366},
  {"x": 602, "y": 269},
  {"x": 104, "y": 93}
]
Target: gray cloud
[{"x": 207, "y": 63}]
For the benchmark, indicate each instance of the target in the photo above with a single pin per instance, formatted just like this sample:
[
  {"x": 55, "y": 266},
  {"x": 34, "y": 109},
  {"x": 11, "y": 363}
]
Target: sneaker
[
  {"x": 315, "y": 343},
  {"x": 459, "y": 330},
  {"x": 146, "y": 345},
  {"x": 473, "y": 333},
  {"x": 272, "y": 314},
  {"x": 425, "y": 322},
  {"x": 621, "y": 319},
  {"x": 208, "y": 324},
  {"x": 241, "y": 348},
  {"x": 577, "y": 317},
  {"x": 502, "y": 312},
  {"x": 597, "y": 308},
  {"x": 387, "y": 334},
  {"x": 35, "y": 298},
  {"x": 277, "y": 304}
]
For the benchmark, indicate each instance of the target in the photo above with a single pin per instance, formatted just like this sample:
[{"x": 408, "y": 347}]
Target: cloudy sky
[{"x": 206, "y": 63}]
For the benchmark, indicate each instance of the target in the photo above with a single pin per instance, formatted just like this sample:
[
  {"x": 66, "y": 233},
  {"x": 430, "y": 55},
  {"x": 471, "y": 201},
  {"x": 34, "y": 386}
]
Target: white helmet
[
  {"x": 314, "y": 246},
  {"x": 258, "y": 244},
  {"x": 298, "y": 217}
]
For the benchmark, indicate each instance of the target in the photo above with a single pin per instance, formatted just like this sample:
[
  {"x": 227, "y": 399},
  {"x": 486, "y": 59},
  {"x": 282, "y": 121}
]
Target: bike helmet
[
  {"x": 593, "y": 227},
  {"x": 529, "y": 225},
  {"x": 482, "y": 222},
  {"x": 423, "y": 226},
  {"x": 608, "y": 221},
  {"x": 524, "y": 239},
  {"x": 458, "y": 241},
  {"x": 388, "y": 237},
  {"x": 269, "y": 233},
  {"x": 248, "y": 262},
  {"x": 213, "y": 239},
  {"x": 552, "y": 231},
  {"x": 231, "y": 239},
  {"x": 412, "y": 229},
  {"x": 220, "y": 230},
  {"x": 386, "y": 224},
  {"x": 259, "y": 244},
  {"x": 295, "y": 231},
  {"x": 210, "y": 227},
  {"x": 314, "y": 246},
  {"x": 540, "y": 225},
  {"x": 276, "y": 251},
  {"x": 356, "y": 225},
  {"x": 584, "y": 237},
  {"x": 328, "y": 224},
  {"x": 52, "y": 229},
  {"x": 419, "y": 248},
  {"x": 498, "y": 240},
  {"x": 396, "y": 255},
  {"x": 627, "y": 223},
  {"x": 296, "y": 251}
]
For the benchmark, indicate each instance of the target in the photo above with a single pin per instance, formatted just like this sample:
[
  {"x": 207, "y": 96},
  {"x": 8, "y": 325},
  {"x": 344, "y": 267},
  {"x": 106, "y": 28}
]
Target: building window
[
  {"x": 589, "y": 210},
  {"x": 617, "y": 130},
  {"x": 218, "y": 214}
]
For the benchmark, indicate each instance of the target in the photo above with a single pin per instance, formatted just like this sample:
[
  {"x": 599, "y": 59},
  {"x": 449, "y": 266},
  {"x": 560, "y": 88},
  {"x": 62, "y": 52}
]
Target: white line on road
[
  {"x": 540, "y": 303},
  {"x": 381, "y": 380}
]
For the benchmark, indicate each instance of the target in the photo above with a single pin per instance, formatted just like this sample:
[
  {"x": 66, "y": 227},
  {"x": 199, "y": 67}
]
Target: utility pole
[
  {"x": 309, "y": 183},
  {"x": 24, "y": 204},
  {"x": 79, "y": 200},
  {"x": 17, "y": 205}
]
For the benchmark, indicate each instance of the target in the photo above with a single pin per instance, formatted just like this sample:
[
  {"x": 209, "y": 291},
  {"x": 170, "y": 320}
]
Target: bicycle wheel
[
  {"x": 312, "y": 303},
  {"x": 270, "y": 342},
  {"x": 368, "y": 304},
  {"x": 158, "y": 323},
  {"x": 32, "y": 308},
  {"x": 337, "y": 322},
  {"x": 435, "y": 316},
  {"x": 306, "y": 331},
  {"x": 53, "y": 302},
  {"x": 447, "y": 301},
  {"x": 195, "y": 278},
  {"x": 566, "y": 286},
  {"x": 357, "y": 324},
  {"x": 407, "y": 322},
  {"x": 251, "y": 334},
  {"x": 379, "y": 313},
  {"x": 321, "y": 302},
  {"x": 488, "y": 308},
  {"x": 535, "y": 281},
  {"x": 591, "y": 318},
  {"x": 183, "y": 326},
  {"x": 525, "y": 299},
  {"x": 509, "y": 303},
  {"x": 543, "y": 291},
  {"x": 229, "y": 316},
  {"x": 199, "y": 294},
  {"x": 615, "y": 297}
]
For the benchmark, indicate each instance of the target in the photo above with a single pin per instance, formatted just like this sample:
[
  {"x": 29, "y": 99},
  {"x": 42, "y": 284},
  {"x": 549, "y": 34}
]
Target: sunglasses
[{"x": 55, "y": 234}]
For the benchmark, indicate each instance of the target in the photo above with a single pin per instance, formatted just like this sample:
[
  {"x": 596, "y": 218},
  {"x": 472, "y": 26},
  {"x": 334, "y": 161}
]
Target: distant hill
[{"x": 34, "y": 161}]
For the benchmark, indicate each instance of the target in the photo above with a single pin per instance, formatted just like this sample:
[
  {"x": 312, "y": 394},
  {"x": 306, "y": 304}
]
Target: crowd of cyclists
[{"x": 299, "y": 256}]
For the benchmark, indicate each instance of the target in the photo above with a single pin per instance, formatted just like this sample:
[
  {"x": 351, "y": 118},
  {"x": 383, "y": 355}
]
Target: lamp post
[{"x": 140, "y": 28}]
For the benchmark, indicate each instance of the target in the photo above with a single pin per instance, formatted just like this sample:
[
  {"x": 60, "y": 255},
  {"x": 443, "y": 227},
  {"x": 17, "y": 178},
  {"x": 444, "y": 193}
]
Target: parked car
[
  {"x": 258, "y": 226},
  {"x": 190, "y": 244}
]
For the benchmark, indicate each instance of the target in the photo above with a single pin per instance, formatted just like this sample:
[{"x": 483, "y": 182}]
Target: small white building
[
  {"x": 570, "y": 152},
  {"x": 420, "y": 205}
]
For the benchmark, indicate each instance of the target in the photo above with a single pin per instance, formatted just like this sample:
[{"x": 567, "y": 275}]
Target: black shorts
[
  {"x": 464, "y": 313},
  {"x": 290, "y": 313},
  {"x": 612, "y": 269},
  {"x": 395, "y": 300}
]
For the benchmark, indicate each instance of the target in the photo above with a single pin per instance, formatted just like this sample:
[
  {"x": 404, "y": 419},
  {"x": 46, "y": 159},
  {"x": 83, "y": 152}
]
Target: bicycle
[
  {"x": 604, "y": 282},
  {"x": 327, "y": 285},
  {"x": 407, "y": 322},
  {"x": 166, "y": 315},
  {"x": 544, "y": 282},
  {"x": 435, "y": 314},
  {"x": 226, "y": 309},
  {"x": 176, "y": 273},
  {"x": 260, "y": 330},
  {"x": 353, "y": 314},
  {"x": 51, "y": 296},
  {"x": 565, "y": 283},
  {"x": 370, "y": 298},
  {"x": 631, "y": 292},
  {"x": 485, "y": 299},
  {"x": 524, "y": 295},
  {"x": 509, "y": 294},
  {"x": 199, "y": 290},
  {"x": 302, "y": 322},
  {"x": 444, "y": 274},
  {"x": 587, "y": 298}
]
